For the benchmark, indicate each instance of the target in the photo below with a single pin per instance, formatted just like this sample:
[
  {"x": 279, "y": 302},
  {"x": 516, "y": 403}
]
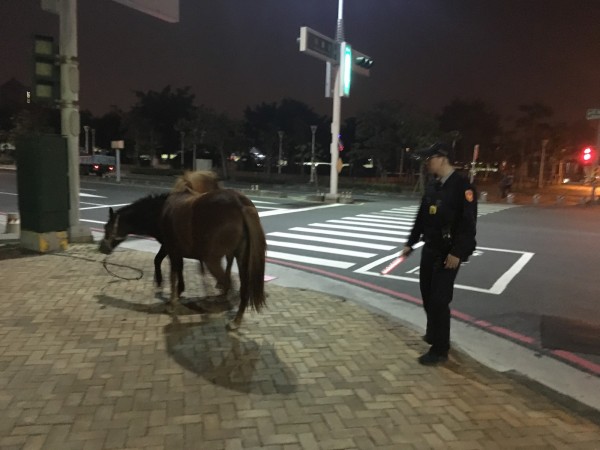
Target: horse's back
[{"x": 212, "y": 223}]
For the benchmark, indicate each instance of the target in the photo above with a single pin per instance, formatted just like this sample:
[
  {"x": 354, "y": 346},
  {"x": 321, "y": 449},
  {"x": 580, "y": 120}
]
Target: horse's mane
[{"x": 200, "y": 181}]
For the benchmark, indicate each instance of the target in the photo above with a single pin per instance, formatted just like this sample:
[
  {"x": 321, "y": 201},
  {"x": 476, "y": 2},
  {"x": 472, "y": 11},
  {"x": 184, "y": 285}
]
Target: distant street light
[
  {"x": 313, "y": 130},
  {"x": 280, "y": 151}
]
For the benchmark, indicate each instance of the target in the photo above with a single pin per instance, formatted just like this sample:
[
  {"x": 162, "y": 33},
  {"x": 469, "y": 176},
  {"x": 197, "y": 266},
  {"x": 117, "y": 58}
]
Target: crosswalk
[{"x": 350, "y": 241}]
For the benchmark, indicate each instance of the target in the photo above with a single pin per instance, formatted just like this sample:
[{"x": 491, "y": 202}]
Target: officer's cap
[{"x": 437, "y": 149}]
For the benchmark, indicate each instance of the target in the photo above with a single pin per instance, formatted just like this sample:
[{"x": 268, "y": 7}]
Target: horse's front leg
[{"x": 158, "y": 259}]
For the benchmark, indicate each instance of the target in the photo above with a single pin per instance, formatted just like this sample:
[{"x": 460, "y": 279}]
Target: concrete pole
[
  {"x": 93, "y": 140},
  {"x": 313, "y": 130},
  {"x": 70, "y": 128}
]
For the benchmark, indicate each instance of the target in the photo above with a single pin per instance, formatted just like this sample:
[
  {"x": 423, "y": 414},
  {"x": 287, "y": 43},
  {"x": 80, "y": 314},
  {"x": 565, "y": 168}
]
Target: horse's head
[{"x": 114, "y": 233}]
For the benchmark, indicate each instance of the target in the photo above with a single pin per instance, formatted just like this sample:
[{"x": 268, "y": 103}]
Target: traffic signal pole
[
  {"x": 69, "y": 106},
  {"x": 340, "y": 59},
  {"x": 335, "y": 138},
  {"x": 337, "y": 111}
]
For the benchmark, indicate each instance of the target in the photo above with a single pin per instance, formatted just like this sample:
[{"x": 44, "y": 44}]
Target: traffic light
[
  {"x": 345, "y": 69},
  {"x": 588, "y": 156},
  {"x": 364, "y": 61},
  {"x": 46, "y": 72}
]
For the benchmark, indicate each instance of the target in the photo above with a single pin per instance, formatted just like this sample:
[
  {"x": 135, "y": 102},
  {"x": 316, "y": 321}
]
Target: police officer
[{"x": 446, "y": 223}]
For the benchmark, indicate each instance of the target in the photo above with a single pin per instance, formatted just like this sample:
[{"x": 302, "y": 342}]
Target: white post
[
  {"x": 280, "y": 152},
  {"x": 595, "y": 164},
  {"x": 118, "y": 158},
  {"x": 70, "y": 128},
  {"x": 313, "y": 130},
  {"x": 194, "y": 150},
  {"x": 86, "y": 128}
]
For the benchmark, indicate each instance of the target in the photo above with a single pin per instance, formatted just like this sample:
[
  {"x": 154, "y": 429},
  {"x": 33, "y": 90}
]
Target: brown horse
[
  {"x": 212, "y": 226},
  {"x": 204, "y": 227},
  {"x": 199, "y": 182}
]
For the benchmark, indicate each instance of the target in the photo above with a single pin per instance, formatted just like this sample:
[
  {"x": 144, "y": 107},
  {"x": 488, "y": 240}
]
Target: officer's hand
[
  {"x": 406, "y": 251},
  {"x": 452, "y": 262}
]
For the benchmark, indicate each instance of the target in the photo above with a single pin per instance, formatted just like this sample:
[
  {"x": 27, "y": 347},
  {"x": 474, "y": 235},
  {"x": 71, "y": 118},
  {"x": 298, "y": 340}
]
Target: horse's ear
[{"x": 111, "y": 213}]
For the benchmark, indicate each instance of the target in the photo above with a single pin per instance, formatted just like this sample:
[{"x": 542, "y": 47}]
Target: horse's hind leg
[
  {"x": 176, "y": 271},
  {"x": 215, "y": 268},
  {"x": 244, "y": 297},
  {"x": 229, "y": 259}
]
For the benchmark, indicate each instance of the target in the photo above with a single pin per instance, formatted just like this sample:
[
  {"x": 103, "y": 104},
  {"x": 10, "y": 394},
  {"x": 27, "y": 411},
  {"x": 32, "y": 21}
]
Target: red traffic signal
[{"x": 588, "y": 156}]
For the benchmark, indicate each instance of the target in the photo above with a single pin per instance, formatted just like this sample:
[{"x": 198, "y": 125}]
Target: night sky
[{"x": 238, "y": 53}]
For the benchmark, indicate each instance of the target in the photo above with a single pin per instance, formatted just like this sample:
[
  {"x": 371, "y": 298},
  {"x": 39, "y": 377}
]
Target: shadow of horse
[
  {"x": 229, "y": 360},
  {"x": 205, "y": 348}
]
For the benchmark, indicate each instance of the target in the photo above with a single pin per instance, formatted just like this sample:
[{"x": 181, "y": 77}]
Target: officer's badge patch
[{"x": 469, "y": 195}]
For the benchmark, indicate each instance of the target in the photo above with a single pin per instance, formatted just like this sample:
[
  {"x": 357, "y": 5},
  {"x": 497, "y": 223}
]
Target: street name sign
[
  {"x": 318, "y": 45},
  {"x": 593, "y": 114}
]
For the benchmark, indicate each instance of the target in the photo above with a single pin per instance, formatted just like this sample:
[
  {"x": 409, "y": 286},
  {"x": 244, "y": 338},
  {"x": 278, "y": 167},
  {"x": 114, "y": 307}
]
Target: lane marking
[
  {"x": 343, "y": 233},
  {"x": 303, "y": 237},
  {"x": 316, "y": 248},
  {"x": 288, "y": 211},
  {"x": 103, "y": 206},
  {"x": 310, "y": 260},
  {"x": 373, "y": 224},
  {"x": 497, "y": 288},
  {"x": 83, "y": 194},
  {"x": 351, "y": 228}
]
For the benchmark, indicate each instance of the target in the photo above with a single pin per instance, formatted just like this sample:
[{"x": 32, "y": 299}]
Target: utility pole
[{"x": 69, "y": 106}]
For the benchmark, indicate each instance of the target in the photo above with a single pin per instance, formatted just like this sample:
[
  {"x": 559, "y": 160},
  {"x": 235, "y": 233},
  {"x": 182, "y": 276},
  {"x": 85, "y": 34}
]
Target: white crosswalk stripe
[{"x": 367, "y": 230}]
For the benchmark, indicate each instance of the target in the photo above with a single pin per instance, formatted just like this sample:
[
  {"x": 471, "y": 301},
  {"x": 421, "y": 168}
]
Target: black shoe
[
  {"x": 427, "y": 339},
  {"x": 432, "y": 359}
]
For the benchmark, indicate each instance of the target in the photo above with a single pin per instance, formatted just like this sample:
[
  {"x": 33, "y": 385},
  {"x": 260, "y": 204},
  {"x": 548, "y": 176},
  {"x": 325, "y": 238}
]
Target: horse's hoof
[{"x": 232, "y": 325}]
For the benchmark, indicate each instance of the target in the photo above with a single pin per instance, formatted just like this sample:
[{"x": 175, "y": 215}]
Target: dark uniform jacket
[{"x": 447, "y": 217}]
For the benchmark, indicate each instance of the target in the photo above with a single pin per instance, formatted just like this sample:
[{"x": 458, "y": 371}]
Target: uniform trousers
[{"x": 437, "y": 288}]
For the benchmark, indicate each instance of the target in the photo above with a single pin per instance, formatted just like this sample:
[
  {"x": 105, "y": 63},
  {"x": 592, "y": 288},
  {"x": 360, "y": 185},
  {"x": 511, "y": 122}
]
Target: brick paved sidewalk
[{"x": 90, "y": 361}]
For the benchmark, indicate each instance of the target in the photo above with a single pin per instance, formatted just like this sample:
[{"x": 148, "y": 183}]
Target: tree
[
  {"x": 532, "y": 127},
  {"x": 263, "y": 122},
  {"x": 470, "y": 123},
  {"x": 156, "y": 115},
  {"x": 387, "y": 129}
]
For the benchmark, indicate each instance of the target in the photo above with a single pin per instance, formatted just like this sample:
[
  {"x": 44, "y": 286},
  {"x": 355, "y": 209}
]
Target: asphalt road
[{"x": 532, "y": 279}]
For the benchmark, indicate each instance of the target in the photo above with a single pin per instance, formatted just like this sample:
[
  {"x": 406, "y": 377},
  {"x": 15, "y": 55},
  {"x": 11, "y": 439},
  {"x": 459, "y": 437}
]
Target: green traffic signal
[
  {"x": 346, "y": 68},
  {"x": 364, "y": 61}
]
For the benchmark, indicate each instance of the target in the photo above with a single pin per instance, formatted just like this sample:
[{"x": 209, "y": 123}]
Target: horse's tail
[{"x": 255, "y": 255}]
